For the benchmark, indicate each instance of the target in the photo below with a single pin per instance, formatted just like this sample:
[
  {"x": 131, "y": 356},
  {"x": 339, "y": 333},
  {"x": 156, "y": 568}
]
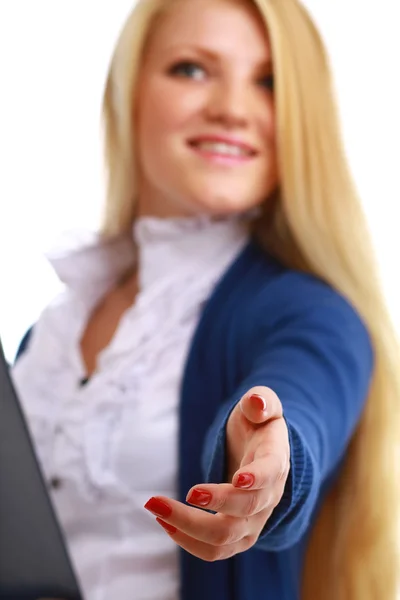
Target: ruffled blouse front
[{"x": 108, "y": 445}]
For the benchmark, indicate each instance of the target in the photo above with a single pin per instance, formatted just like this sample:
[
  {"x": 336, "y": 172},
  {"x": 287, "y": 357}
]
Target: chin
[{"x": 222, "y": 205}]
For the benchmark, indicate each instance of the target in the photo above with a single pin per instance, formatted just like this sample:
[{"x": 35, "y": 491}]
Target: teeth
[{"x": 223, "y": 148}]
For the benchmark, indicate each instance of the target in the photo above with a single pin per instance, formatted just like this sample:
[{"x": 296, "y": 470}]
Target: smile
[{"x": 223, "y": 151}]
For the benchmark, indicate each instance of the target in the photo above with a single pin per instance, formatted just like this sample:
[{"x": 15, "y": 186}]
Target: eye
[
  {"x": 188, "y": 70},
  {"x": 267, "y": 82}
]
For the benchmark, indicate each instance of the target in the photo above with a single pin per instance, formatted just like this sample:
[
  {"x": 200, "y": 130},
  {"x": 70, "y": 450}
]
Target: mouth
[{"x": 221, "y": 149}]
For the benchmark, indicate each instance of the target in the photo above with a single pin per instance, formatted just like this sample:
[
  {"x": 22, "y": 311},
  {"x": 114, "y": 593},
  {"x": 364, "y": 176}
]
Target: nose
[{"x": 229, "y": 104}]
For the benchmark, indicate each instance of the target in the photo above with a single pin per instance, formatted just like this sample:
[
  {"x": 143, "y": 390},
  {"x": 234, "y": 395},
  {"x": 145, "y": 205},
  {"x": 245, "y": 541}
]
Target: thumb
[{"x": 260, "y": 404}]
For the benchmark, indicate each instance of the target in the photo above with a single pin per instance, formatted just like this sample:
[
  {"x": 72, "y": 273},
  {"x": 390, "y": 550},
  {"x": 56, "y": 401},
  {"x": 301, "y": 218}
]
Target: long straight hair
[{"x": 316, "y": 224}]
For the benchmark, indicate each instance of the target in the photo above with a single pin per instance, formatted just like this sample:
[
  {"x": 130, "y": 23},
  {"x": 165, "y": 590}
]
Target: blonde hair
[{"x": 315, "y": 224}]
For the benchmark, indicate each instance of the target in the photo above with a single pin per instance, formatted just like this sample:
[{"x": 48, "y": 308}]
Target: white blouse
[{"x": 107, "y": 446}]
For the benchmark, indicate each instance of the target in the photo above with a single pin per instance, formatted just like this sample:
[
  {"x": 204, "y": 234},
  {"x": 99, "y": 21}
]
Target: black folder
[{"x": 34, "y": 561}]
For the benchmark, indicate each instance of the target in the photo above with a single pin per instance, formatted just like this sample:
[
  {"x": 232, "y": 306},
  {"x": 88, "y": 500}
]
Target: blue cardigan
[{"x": 267, "y": 325}]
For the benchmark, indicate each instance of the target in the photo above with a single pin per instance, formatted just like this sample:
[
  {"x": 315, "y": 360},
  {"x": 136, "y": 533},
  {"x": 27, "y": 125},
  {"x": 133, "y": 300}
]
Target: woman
[{"x": 233, "y": 353}]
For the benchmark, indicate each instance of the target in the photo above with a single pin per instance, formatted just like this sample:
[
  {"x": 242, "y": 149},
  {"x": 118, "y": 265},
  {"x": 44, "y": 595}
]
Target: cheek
[
  {"x": 165, "y": 111},
  {"x": 268, "y": 123},
  {"x": 155, "y": 121},
  {"x": 269, "y": 134}
]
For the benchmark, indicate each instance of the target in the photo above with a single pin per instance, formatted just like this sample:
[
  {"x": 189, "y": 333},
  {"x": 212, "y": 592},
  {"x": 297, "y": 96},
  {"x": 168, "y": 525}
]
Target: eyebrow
[{"x": 214, "y": 56}]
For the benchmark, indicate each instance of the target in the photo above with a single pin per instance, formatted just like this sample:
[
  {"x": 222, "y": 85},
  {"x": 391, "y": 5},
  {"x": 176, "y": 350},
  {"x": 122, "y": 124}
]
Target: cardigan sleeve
[{"x": 319, "y": 361}]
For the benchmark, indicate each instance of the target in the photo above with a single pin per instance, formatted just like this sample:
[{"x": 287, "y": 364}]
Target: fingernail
[
  {"x": 199, "y": 497},
  {"x": 158, "y": 508},
  {"x": 258, "y": 401},
  {"x": 244, "y": 480},
  {"x": 168, "y": 528}
]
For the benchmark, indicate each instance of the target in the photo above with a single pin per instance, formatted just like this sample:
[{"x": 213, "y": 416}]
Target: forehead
[{"x": 225, "y": 27}]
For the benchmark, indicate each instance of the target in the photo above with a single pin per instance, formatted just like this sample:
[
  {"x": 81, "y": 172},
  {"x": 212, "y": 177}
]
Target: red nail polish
[
  {"x": 168, "y": 528},
  {"x": 258, "y": 401},
  {"x": 244, "y": 480},
  {"x": 199, "y": 497},
  {"x": 158, "y": 507}
]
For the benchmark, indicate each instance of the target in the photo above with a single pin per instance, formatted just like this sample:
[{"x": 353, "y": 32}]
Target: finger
[
  {"x": 270, "y": 438},
  {"x": 207, "y": 552},
  {"x": 267, "y": 439},
  {"x": 255, "y": 489},
  {"x": 267, "y": 458},
  {"x": 270, "y": 473},
  {"x": 228, "y": 500},
  {"x": 217, "y": 530},
  {"x": 261, "y": 404}
]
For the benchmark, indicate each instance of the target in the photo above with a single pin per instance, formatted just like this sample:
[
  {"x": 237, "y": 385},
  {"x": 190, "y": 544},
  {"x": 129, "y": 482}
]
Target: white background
[{"x": 53, "y": 59}]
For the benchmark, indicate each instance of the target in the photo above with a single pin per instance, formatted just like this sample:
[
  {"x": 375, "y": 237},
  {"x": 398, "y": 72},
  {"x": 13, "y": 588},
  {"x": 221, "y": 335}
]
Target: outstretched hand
[{"x": 258, "y": 458}]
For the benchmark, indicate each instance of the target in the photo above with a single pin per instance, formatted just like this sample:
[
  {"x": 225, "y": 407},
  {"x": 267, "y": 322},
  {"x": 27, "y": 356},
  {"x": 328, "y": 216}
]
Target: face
[{"x": 205, "y": 112}]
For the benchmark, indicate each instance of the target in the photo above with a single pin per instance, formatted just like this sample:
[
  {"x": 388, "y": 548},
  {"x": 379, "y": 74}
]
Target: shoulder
[
  {"x": 288, "y": 293},
  {"x": 278, "y": 301},
  {"x": 52, "y": 324}
]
